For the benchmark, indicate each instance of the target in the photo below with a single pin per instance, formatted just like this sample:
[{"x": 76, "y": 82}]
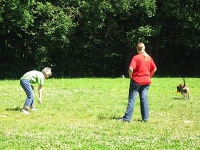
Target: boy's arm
[{"x": 40, "y": 94}]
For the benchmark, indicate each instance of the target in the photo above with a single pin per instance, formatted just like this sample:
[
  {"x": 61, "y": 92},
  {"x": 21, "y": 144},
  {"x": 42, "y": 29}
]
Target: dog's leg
[
  {"x": 188, "y": 96},
  {"x": 183, "y": 95}
]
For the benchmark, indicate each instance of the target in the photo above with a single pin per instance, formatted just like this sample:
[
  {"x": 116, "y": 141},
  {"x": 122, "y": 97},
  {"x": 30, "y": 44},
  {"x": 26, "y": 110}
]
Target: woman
[
  {"x": 26, "y": 82},
  {"x": 141, "y": 69}
]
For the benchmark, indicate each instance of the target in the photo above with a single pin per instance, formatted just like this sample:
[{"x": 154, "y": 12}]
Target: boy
[{"x": 26, "y": 82}]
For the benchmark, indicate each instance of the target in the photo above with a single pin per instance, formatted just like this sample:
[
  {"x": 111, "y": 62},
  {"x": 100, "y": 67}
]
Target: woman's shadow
[{"x": 13, "y": 109}]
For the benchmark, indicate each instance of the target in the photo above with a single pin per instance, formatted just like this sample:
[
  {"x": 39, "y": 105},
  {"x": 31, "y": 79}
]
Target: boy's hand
[{"x": 40, "y": 101}]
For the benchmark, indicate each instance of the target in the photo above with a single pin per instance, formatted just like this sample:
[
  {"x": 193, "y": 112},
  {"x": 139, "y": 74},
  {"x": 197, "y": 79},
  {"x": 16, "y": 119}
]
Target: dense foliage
[{"x": 97, "y": 38}]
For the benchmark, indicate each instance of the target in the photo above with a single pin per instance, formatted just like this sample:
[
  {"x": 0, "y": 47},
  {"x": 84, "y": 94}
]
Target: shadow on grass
[
  {"x": 14, "y": 109},
  {"x": 178, "y": 98},
  {"x": 107, "y": 116},
  {"x": 115, "y": 118}
]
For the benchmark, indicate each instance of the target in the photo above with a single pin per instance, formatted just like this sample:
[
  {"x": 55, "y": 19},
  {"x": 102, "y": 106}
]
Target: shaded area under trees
[{"x": 95, "y": 38}]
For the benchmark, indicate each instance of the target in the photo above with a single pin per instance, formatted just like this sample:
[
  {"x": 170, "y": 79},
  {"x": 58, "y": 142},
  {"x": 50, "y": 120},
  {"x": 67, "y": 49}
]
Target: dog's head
[
  {"x": 179, "y": 88},
  {"x": 182, "y": 89}
]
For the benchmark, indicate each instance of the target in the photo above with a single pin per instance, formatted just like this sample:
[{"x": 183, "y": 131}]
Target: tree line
[{"x": 97, "y": 38}]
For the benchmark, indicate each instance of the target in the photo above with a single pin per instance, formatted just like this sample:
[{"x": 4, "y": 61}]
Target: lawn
[{"x": 79, "y": 114}]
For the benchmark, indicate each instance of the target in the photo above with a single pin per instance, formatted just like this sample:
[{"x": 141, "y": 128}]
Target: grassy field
[{"x": 79, "y": 114}]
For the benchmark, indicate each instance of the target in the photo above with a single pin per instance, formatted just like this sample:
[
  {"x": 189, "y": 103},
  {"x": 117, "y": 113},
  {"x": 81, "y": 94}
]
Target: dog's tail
[{"x": 183, "y": 82}]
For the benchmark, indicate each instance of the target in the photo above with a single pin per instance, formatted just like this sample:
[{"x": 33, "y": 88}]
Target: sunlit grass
[{"x": 79, "y": 114}]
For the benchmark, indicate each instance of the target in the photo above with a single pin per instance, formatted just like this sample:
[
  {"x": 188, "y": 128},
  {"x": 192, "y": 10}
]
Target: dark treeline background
[{"x": 97, "y": 38}]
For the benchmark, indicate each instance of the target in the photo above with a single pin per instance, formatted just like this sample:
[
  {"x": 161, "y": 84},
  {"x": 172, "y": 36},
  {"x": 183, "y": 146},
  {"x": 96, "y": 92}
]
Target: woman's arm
[
  {"x": 130, "y": 72},
  {"x": 152, "y": 72}
]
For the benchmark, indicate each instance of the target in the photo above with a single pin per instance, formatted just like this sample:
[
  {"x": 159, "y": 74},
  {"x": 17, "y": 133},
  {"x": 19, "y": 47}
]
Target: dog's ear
[{"x": 178, "y": 89}]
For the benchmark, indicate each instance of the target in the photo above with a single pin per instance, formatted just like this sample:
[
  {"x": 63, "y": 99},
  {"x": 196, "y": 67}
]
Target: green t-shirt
[{"x": 34, "y": 77}]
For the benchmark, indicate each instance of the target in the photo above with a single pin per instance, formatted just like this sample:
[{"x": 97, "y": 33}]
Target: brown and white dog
[{"x": 184, "y": 90}]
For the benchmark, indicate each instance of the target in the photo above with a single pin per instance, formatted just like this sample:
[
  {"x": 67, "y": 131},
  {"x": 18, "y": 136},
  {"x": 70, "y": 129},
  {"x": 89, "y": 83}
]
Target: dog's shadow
[
  {"x": 13, "y": 109},
  {"x": 178, "y": 98}
]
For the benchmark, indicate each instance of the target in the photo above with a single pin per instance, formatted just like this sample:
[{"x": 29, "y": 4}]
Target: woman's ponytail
[{"x": 141, "y": 49}]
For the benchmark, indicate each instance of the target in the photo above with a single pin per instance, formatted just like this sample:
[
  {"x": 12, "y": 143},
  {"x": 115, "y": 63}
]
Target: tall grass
[{"x": 80, "y": 114}]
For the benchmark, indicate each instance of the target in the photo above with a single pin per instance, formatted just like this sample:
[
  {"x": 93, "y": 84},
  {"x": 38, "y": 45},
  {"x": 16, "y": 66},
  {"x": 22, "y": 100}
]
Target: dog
[{"x": 184, "y": 90}]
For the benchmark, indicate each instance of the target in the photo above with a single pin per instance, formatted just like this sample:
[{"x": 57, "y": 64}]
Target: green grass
[{"x": 79, "y": 114}]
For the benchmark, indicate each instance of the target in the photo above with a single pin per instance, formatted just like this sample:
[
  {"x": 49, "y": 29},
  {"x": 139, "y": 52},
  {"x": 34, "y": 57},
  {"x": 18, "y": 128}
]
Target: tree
[
  {"x": 97, "y": 38},
  {"x": 32, "y": 33},
  {"x": 177, "y": 40}
]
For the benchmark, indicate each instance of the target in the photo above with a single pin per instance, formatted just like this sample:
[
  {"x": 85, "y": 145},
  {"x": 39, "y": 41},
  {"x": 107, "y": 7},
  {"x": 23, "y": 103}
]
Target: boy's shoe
[
  {"x": 25, "y": 112},
  {"x": 33, "y": 109}
]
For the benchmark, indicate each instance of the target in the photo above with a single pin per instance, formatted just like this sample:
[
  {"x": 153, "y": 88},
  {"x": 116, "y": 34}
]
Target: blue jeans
[
  {"x": 26, "y": 85},
  {"x": 134, "y": 89}
]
